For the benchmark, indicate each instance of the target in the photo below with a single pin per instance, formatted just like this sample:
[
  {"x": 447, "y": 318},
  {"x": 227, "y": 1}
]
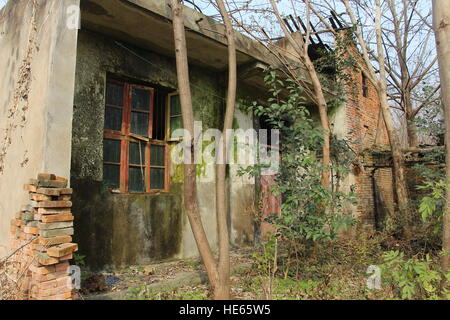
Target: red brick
[
  {"x": 57, "y": 218},
  {"x": 54, "y": 240},
  {"x": 54, "y": 204},
  {"x": 62, "y": 250},
  {"x": 46, "y": 176}
]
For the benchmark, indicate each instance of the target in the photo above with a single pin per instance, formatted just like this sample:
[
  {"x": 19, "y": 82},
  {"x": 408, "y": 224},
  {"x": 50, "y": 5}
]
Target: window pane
[
  {"x": 157, "y": 155},
  {"x": 113, "y": 119},
  {"x": 111, "y": 176},
  {"x": 137, "y": 156},
  {"x": 175, "y": 123},
  {"x": 136, "y": 179},
  {"x": 111, "y": 150},
  {"x": 159, "y": 116},
  {"x": 114, "y": 94},
  {"x": 156, "y": 179},
  {"x": 139, "y": 123},
  {"x": 140, "y": 99},
  {"x": 175, "y": 106}
]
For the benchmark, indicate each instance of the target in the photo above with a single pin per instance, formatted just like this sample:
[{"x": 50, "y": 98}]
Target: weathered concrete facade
[
  {"x": 120, "y": 229},
  {"x": 37, "y": 61}
]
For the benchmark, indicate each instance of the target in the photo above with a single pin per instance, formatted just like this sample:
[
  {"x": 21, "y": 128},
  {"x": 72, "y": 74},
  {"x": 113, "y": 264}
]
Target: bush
[{"x": 415, "y": 278}]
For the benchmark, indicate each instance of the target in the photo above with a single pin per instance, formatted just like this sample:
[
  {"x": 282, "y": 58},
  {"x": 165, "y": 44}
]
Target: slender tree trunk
[
  {"x": 441, "y": 22},
  {"x": 302, "y": 50},
  {"x": 381, "y": 86},
  {"x": 411, "y": 127},
  {"x": 397, "y": 155},
  {"x": 190, "y": 193},
  {"x": 223, "y": 290}
]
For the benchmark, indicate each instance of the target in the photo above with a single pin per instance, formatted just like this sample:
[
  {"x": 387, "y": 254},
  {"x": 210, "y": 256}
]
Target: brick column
[{"x": 45, "y": 227}]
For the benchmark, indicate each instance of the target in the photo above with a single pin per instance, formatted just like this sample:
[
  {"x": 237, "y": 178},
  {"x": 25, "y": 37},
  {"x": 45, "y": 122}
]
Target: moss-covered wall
[{"x": 117, "y": 230}]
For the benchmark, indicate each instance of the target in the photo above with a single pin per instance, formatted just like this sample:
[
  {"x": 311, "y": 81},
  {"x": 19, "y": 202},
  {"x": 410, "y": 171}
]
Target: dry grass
[
  {"x": 10, "y": 285},
  {"x": 13, "y": 274}
]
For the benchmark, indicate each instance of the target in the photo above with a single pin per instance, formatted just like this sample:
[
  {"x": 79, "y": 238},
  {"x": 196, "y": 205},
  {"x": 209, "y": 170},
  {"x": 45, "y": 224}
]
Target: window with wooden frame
[
  {"x": 174, "y": 119},
  {"x": 135, "y": 153}
]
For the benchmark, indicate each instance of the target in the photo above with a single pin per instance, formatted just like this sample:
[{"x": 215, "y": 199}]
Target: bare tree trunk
[
  {"x": 223, "y": 290},
  {"x": 190, "y": 193},
  {"x": 302, "y": 50},
  {"x": 441, "y": 22},
  {"x": 381, "y": 86},
  {"x": 397, "y": 155},
  {"x": 411, "y": 128}
]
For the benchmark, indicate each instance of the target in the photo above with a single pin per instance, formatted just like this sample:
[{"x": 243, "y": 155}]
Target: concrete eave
[{"x": 147, "y": 24}]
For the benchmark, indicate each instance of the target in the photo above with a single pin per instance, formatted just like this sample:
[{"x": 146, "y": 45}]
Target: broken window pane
[
  {"x": 139, "y": 123},
  {"x": 140, "y": 99},
  {"x": 175, "y": 106},
  {"x": 175, "y": 123},
  {"x": 157, "y": 179},
  {"x": 137, "y": 153},
  {"x": 111, "y": 150},
  {"x": 111, "y": 176},
  {"x": 113, "y": 119},
  {"x": 157, "y": 155},
  {"x": 136, "y": 179},
  {"x": 159, "y": 116},
  {"x": 114, "y": 94}
]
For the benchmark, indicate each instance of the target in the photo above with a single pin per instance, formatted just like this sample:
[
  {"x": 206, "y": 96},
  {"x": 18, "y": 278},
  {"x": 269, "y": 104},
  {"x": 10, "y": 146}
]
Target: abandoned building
[{"x": 77, "y": 101}]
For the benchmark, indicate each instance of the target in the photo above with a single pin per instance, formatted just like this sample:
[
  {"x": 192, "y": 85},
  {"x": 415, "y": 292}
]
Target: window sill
[{"x": 155, "y": 192}]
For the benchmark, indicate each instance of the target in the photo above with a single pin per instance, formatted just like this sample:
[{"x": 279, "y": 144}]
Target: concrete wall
[
  {"x": 37, "y": 60},
  {"x": 118, "y": 230}
]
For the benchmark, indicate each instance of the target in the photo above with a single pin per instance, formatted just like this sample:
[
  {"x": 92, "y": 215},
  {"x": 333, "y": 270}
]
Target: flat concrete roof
[{"x": 147, "y": 24}]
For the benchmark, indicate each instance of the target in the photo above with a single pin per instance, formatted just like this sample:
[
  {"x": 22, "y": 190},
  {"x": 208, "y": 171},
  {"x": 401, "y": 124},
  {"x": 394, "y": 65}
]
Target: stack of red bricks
[{"x": 47, "y": 222}]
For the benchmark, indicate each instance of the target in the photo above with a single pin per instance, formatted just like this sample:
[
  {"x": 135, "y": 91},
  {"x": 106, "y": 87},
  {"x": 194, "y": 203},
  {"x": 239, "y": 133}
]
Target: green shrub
[{"x": 414, "y": 278}]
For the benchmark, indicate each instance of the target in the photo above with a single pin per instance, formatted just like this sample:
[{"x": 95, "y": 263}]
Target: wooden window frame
[
  {"x": 126, "y": 137},
  {"x": 169, "y": 116}
]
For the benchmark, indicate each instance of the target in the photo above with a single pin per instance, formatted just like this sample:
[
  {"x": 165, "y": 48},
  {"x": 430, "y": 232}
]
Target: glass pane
[
  {"x": 113, "y": 119},
  {"x": 111, "y": 150},
  {"x": 175, "y": 105},
  {"x": 136, "y": 179},
  {"x": 111, "y": 176},
  {"x": 140, "y": 99},
  {"x": 175, "y": 123},
  {"x": 114, "y": 94},
  {"x": 137, "y": 153},
  {"x": 157, "y": 155},
  {"x": 159, "y": 116},
  {"x": 157, "y": 179},
  {"x": 139, "y": 123}
]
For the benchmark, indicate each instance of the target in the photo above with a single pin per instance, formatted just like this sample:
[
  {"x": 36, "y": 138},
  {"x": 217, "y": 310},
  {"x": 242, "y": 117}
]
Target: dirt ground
[{"x": 186, "y": 276}]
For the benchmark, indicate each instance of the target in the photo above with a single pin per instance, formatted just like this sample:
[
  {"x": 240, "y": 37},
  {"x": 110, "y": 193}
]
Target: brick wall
[
  {"x": 374, "y": 206},
  {"x": 363, "y": 116},
  {"x": 365, "y": 129}
]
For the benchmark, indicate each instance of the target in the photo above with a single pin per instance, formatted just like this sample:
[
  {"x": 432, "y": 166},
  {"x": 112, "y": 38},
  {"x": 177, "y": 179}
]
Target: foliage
[
  {"x": 79, "y": 259},
  {"x": 430, "y": 121},
  {"x": 310, "y": 212},
  {"x": 428, "y": 209},
  {"x": 414, "y": 278},
  {"x": 267, "y": 263},
  {"x": 435, "y": 202},
  {"x": 337, "y": 67}
]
